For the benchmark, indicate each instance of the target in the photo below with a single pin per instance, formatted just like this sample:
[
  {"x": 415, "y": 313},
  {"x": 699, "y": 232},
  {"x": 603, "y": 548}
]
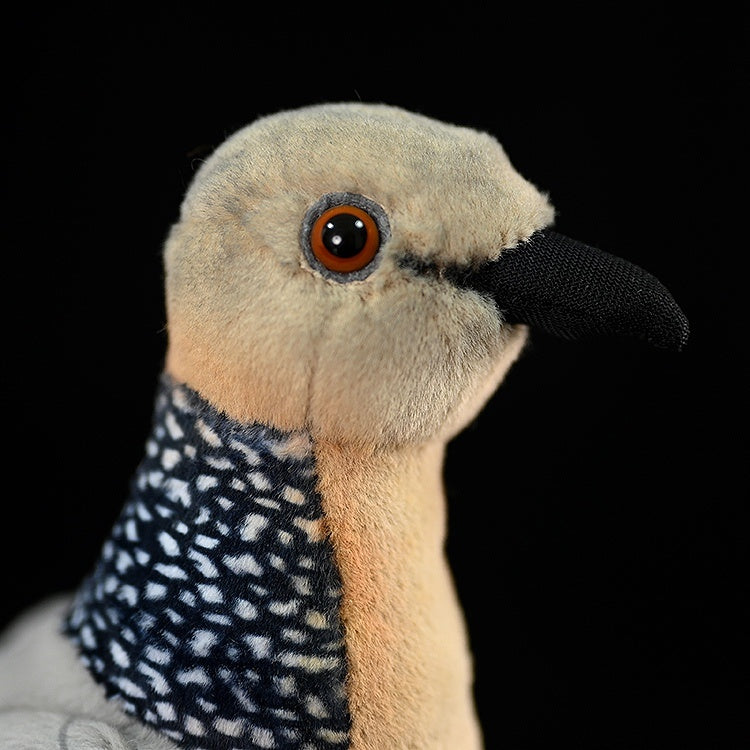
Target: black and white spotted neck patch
[{"x": 213, "y": 611}]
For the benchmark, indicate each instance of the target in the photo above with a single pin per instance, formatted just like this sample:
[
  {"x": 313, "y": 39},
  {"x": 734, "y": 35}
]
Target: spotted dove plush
[{"x": 346, "y": 286}]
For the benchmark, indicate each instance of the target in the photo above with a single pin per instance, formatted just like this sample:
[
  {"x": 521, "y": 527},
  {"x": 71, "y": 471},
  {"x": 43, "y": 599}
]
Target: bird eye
[
  {"x": 344, "y": 238},
  {"x": 342, "y": 234}
]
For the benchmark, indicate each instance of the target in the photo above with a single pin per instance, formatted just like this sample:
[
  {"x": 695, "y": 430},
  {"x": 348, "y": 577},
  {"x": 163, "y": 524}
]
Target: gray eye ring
[{"x": 375, "y": 212}]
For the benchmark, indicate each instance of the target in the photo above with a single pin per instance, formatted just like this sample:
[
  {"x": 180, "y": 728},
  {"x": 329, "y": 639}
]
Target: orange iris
[{"x": 344, "y": 238}]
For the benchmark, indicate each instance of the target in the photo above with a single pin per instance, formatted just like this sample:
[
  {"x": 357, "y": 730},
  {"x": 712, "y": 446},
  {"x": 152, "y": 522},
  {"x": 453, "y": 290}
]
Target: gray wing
[{"x": 48, "y": 700}]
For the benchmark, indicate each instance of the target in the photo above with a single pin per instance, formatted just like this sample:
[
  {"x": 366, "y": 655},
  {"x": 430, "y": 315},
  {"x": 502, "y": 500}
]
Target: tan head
[
  {"x": 379, "y": 338},
  {"x": 380, "y": 355}
]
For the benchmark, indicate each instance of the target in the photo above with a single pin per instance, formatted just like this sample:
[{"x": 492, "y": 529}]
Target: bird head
[{"x": 369, "y": 274}]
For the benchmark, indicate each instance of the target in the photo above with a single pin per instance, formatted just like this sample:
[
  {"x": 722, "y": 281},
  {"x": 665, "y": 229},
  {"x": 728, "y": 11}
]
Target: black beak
[{"x": 575, "y": 291}]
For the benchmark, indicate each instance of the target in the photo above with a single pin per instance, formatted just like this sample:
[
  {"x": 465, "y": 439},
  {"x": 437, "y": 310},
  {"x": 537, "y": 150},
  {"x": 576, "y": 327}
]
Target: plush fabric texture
[
  {"x": 278, "y": 577},
  {"x": 387, "y": 359},
  {"x": 213, "y": 612},
  {"x": 574, "y": 291},
  {"x": 381, "y": 370},
  {"x": 26, "y": 729},
  {"x": 46, "y": 693},
  {"x": 410, "y": 673}
]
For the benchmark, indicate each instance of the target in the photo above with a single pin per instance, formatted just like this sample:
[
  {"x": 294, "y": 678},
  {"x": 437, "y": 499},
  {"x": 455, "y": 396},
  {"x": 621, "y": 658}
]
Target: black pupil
[{"x": 344, "y": 235}]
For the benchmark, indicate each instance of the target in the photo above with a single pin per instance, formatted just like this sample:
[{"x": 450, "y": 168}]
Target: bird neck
[
  {"x": 212, "y": 613},
  {"x": 262, "y": 589},
  {"x": 409, "y": 681}
]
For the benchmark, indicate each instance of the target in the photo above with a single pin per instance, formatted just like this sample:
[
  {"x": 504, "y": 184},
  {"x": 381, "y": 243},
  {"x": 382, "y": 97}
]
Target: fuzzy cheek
[
  {"x": 392, "y": 371},
  {"x": 241, "y": 329},
  {"x": 515, "y": 338}
]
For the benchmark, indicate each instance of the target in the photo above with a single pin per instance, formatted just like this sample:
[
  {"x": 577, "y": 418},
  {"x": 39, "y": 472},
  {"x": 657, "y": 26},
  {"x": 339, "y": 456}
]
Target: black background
[{"x": 598, "y": 506}]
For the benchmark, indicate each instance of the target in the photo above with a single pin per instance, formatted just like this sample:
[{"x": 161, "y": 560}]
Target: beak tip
[
  {"x": 682, "y": 335},
  {"x": 671, "y": 330},
  {"x": 674, "y": 341}
]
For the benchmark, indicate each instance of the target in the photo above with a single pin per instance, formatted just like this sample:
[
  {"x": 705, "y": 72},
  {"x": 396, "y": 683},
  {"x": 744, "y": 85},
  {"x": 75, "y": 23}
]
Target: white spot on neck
[
  {"x": 118, "y": 655},
  {"x": 208, "y": 434},
  {"x": 246, "y": 610},
  {"x": 253, "y": 525},
  {"x": 155, "y": 590},
  {"x": 169, "y": 544},
  {"x": 174, "y": 429},
  {"x": 242, "y": 564},
  {"x": 230, "y": 727},
  {"x": 166, "y": 711},
  {"x": 202, "y": 642},
  {"x": 260, "y": 645}
]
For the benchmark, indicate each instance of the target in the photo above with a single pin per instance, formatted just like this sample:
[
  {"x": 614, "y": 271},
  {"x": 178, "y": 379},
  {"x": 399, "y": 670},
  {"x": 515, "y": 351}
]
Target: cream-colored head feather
[{"x": 390, "y": 358}]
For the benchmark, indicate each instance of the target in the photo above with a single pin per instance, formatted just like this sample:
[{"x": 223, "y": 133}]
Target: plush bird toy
[{"x": 346, "y": 286}]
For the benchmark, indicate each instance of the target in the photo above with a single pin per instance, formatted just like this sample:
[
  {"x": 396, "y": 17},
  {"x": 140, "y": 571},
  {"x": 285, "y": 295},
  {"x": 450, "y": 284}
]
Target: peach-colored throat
[{"x": 409, "y": 682}]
